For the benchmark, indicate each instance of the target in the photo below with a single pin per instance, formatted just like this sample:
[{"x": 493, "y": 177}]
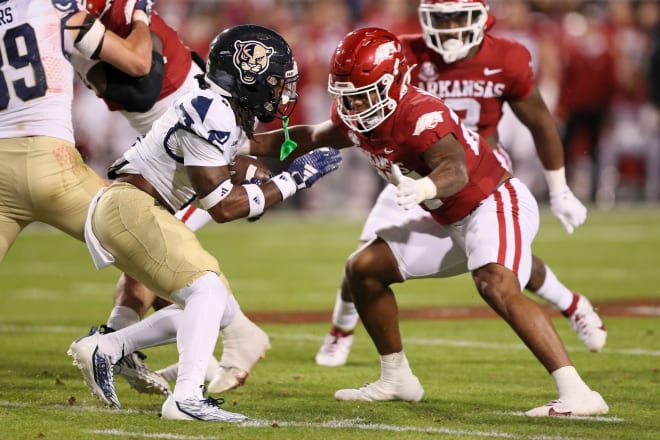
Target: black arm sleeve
[{"x": 135, "y": 94}]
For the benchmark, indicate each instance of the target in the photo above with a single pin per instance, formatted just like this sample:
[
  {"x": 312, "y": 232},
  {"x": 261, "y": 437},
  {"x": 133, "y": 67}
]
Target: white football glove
[
  {"x": 568, "y": 209},
  {"x": 563, "y": 204},
  {"x": 411, "y": 192}
]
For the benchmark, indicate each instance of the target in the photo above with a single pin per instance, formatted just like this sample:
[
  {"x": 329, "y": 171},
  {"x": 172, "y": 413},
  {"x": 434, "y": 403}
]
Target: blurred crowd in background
[{"x": 596, "y": 63}]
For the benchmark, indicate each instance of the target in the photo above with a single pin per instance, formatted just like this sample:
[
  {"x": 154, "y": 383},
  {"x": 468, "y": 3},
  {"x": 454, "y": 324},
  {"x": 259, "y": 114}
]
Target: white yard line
[{"x": 631, "y": 351}]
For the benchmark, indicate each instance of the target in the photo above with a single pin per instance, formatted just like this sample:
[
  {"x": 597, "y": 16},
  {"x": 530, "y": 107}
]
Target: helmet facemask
[
  {"x": 377, "y": 103},
  {"x": 453, "y": 28}
]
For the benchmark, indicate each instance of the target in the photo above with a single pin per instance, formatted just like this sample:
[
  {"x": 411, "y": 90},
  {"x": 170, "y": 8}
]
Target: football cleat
[
  {"x": 407, "y": 389},
  {"x": 207, "y": 410},
  {"x": 132, "y": 368},
  {"x": 96, "y": 367},
  {"x": 335, "y": 349},
  {"x": 243, "y": 344},
  {"x": 586, "y": 323},
  {"x": 587, "y": 405}
]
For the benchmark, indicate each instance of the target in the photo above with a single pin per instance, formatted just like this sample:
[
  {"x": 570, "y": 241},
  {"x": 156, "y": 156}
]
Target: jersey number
[{"x": 22, "y": 51}]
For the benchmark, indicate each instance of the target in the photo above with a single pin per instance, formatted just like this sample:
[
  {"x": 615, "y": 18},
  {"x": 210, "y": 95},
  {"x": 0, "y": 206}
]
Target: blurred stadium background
[{"x": 596, "y": 64}]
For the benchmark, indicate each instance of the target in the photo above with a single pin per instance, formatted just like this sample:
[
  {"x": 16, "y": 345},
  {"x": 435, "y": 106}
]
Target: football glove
[
  {"x": 310, "y": 167},
  {"x": 568, "y": 209},
  {"x": 412, "y": 192}
]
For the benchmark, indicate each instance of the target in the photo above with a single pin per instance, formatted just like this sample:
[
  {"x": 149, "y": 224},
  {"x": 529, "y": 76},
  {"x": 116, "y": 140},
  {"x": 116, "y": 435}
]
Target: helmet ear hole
[{"x": 249, "y": 63}]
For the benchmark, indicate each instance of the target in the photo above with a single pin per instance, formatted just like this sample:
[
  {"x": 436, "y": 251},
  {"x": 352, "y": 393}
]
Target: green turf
[{"x": 476, "y": 374}]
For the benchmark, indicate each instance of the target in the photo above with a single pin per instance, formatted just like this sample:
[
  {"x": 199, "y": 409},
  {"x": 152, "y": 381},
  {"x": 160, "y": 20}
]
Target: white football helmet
[{"x": 453, "y": 27}]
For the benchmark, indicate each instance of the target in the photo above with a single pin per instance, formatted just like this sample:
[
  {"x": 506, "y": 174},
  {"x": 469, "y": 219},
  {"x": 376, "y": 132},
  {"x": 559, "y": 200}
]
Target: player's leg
[
  {"x": 417, "y": 249},
  {"x": 574, "y": 306},
  {"x": 501, "y": 265},
  {"x": 338, "y": 341},
  {"x": 370, "y": 271},
  {"x": 125, "y": 212}
]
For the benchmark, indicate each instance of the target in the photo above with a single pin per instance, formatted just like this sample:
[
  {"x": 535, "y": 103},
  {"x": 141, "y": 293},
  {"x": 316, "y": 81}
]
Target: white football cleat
[
  {"x": 586, "y": 323},
  {"x": 335, "y": 349},
  {"x": 95, "y": 366},
  {"x": 243, "y": 344},
  {"x": 407, "y": 389},
  {"x": 589, "y": 404},
  {"x": 206, "y": 410}
]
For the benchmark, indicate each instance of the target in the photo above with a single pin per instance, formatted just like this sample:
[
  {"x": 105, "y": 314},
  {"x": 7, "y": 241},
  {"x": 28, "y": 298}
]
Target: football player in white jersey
[
  {"x": 455, "y": 48},
  {"x": 46, "y": 179},
  {"x": 184, "y": 159},
  {"x": 142, "y": 100}
]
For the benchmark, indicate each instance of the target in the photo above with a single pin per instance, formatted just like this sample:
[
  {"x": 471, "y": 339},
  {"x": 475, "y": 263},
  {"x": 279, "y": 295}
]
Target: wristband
[
  {"x": 556, "y": 180},
  {"x": 285, "y": 184},
  {"x": 214, "y": 197},
  {"x": 426, "y": 188},
  {"x": 256, "y": 198},
  {"x": 90, "y": 38}
]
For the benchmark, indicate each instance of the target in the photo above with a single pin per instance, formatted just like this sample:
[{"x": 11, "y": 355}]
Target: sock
[
  {"x": 568, "y": 381},
  {"x": 122, "y": 316},
  {"x": 159, "y": 328},
  {"x": 205, "y": 302},
  {"x": 393, "y": 366},
  {"x": 553, "y": 291},
  {"x": 344, "y": 316}
]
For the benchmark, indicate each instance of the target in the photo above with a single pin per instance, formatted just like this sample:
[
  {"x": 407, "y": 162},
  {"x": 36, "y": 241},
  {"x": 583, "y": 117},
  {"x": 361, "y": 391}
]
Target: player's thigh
[
  {"x": 501, "y": 230},
  {"x": 62, "y": 185},
  {"x": 148, "y": 242},
  {"x": 423, "y": 248}
]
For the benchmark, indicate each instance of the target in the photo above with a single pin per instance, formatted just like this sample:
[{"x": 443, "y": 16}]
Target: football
[{"x": 244, "y": 168}]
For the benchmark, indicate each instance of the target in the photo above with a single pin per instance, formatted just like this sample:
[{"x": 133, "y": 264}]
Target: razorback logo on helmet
[
  {"x": 427, "y": 121},
  {"x": 386, "y": 51},
  {"x": 251, "y": 59}
]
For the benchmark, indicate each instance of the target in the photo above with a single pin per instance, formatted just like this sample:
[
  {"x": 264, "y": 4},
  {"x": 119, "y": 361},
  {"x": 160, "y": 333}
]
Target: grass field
[{"x": 477, "y": 375}]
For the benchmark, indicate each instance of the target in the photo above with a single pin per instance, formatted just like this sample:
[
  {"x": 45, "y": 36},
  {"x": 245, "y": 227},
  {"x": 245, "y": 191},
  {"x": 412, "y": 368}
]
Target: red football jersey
[
  {"x": 175, "y": 54},
  {"x": 475, "y": 88},
  {"x": 419, "y": 121}
]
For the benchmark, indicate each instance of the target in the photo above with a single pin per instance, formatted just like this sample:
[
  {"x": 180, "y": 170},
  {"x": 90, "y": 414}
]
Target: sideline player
[
  {"x": 141, "y": 100},
  {"x": 481, "y": 219},
  {"x": 251, "y": 74},
  {"x": 475, "y": 73}
]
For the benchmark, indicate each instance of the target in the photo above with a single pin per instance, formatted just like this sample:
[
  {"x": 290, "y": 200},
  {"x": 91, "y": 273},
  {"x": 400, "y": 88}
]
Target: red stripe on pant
[{"x": 501, "y": 222}]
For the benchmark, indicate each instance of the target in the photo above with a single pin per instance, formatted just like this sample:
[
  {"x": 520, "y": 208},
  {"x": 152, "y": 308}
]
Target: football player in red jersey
[
  {"x": 480, "y": 218},
  {"x": 142, "y": 100},
  {"x": 475, "y": 73}
]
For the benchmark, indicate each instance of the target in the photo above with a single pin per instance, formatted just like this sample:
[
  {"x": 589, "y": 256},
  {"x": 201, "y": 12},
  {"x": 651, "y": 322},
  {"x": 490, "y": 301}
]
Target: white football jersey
[
  {"x": 198, "y": 130},
  {"x": 36, "y": 79}
]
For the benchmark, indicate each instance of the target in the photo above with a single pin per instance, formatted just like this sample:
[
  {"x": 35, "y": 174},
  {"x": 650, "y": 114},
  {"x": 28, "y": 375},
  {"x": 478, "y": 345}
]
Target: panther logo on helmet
[{"x": 251, "y": 59}]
